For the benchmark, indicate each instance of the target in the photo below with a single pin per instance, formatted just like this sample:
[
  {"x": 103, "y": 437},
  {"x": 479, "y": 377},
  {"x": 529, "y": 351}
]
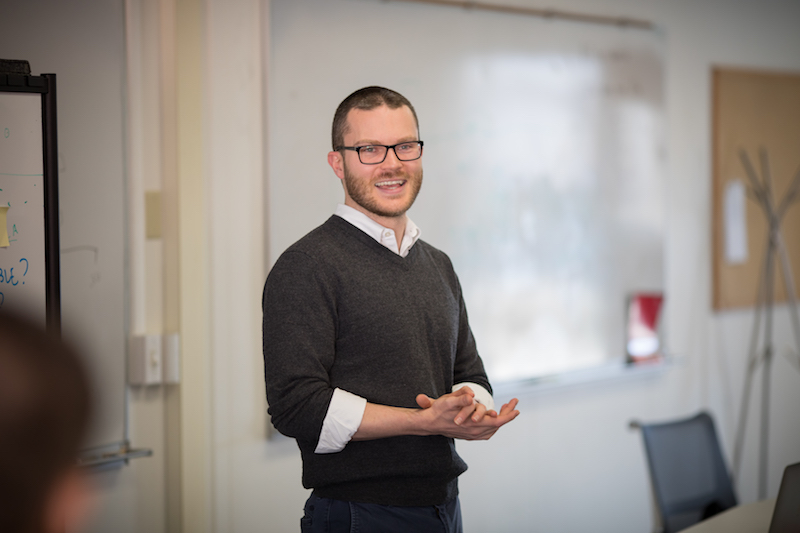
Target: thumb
[{"x": 424, "y": 401}]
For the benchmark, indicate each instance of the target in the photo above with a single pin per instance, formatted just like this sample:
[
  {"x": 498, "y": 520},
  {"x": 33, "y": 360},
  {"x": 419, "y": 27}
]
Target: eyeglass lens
[{"x": 377, "y": 153}]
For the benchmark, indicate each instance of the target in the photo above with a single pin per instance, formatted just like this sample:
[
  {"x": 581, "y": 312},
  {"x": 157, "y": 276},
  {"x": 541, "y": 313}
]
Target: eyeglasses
[{"x": 375, "y": 154}]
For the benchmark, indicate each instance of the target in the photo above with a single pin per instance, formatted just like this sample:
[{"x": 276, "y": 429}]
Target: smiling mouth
[{"x": 390, "y": 185}]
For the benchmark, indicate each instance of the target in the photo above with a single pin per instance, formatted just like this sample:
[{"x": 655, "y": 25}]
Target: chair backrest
[{"x": 688, "y": 473}]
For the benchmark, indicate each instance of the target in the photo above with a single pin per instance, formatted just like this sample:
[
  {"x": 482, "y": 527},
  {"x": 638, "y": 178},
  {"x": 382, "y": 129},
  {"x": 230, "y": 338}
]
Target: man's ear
[{"x": 336, "y": 162}]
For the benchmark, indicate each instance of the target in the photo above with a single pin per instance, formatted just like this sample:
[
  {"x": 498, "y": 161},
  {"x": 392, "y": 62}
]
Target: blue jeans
[{"x": 325, "y": 515}]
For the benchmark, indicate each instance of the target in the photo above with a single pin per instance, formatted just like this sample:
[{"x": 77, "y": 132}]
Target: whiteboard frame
[{"x": 46, "y": 86}]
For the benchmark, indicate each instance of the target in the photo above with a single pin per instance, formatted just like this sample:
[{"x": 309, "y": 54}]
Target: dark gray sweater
[{"x": 341, "y": 310}]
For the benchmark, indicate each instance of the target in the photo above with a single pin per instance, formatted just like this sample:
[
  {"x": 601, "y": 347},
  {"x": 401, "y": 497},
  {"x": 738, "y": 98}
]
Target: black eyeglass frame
[{"x": 357, "y": 150}]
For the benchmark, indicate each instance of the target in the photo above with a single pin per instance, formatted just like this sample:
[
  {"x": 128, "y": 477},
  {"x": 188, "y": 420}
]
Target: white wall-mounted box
[{"x": 145, "y": 360}]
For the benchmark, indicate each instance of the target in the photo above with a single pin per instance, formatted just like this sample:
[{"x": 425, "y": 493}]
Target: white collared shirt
[
  {"x": 385, "y": 236},
  {"x": 346, "y": 409}
]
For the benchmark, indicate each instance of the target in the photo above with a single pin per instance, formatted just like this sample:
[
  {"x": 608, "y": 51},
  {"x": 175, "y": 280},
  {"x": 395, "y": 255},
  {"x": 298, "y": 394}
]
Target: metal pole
[
  {"x": 786, "y": 267},
  {"x": 765, "y": 387},
  {"x": 759, "y": 193},
  {"x": 752, "y": 365},
  {"x": 788, "y": 280}
]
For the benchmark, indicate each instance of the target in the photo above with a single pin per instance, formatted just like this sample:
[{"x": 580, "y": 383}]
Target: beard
[{"x": 362, "y": 191}]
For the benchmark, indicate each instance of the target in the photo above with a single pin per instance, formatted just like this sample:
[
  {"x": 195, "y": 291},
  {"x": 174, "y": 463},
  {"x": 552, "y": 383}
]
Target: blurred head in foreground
[{"x": 44, "y": 412}]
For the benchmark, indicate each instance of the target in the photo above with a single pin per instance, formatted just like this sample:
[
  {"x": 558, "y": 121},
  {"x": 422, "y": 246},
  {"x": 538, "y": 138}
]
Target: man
[
  {"x": 44, "y": 411},
  {"x": 369, "y": 359}
]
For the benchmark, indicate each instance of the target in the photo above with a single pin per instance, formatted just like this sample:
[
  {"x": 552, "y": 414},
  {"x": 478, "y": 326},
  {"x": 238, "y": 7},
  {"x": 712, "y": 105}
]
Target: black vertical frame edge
[{"x": 51, "y": 231}]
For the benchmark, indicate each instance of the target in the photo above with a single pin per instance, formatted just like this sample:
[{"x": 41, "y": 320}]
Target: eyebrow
[{"x": 367, "y": 142}]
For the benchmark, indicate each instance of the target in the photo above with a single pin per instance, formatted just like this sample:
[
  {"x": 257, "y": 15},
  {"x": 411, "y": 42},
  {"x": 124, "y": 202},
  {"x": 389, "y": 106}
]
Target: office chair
[{"x": 688, "y": 475}]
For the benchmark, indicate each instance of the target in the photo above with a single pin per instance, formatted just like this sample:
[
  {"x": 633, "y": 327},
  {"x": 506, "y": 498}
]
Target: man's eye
[
  {"x": 405, "y": 147},
  {"x": 367, "y": 149}
]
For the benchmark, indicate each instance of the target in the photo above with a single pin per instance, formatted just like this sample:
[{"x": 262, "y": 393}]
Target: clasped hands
[{"x": 458, "y": 415}]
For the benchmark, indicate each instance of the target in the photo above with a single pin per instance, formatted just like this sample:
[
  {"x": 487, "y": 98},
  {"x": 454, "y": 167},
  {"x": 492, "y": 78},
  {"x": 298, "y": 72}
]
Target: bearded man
[{"x": 369, "y": 360}]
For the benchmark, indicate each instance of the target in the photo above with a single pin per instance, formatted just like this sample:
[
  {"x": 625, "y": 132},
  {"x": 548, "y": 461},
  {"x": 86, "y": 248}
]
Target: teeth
[{"x": 389, "y": 183}]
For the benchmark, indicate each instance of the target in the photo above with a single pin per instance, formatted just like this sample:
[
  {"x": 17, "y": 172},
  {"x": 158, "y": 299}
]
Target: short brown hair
[
  {"x": 44, "y": 413},
  {"x": 366, "y": 99}
]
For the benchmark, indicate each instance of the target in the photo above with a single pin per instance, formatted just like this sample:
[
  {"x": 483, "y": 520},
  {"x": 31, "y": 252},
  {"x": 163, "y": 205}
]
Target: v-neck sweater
[{"x": 341, "y": 310}]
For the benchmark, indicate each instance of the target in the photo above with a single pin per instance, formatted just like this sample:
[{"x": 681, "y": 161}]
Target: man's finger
[
  {"x": 463, "y": 390},
  {"x": 510, "y": 406},
  {"x": 424, "y": 401},
  {"x": 467, "y": 409},
  {"x": 455, "y": 400},
  {"x": 480, "y": 411}
]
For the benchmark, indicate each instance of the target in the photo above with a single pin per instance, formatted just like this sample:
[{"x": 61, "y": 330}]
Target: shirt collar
[{"x": 381, "y": 234}]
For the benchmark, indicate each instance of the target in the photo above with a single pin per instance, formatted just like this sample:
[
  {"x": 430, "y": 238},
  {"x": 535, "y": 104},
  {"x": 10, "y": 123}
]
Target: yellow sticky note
[{"x": 3, "y": 229}]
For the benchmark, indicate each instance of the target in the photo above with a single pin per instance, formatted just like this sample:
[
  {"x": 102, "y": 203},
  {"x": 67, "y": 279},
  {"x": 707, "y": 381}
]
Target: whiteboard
[
  {"x": 83, "y": 42},
  {"x": 544, "y": 160},
  {"x": 22, "y": 260}
]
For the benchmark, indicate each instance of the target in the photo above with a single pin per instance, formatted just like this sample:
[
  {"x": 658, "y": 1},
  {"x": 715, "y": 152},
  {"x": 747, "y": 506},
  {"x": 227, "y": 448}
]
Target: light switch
[{"x": 145, "y": 360}]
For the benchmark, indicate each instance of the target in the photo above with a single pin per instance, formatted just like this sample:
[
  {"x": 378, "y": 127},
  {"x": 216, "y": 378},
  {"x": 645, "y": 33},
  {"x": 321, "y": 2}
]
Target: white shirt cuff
[
  {"x": 482, "y": 395},
  {"x": 341, "y": 421}
]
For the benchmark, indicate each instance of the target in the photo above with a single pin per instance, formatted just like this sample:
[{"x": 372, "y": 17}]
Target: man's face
[{"x": 387, "y": 189}]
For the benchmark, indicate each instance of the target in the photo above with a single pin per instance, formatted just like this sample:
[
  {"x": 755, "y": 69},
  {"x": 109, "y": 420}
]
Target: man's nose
[{"x": 391, "y": 159}]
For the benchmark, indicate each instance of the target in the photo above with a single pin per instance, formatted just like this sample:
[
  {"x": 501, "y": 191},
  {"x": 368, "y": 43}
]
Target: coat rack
[{"x": 775, "y": 252}]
